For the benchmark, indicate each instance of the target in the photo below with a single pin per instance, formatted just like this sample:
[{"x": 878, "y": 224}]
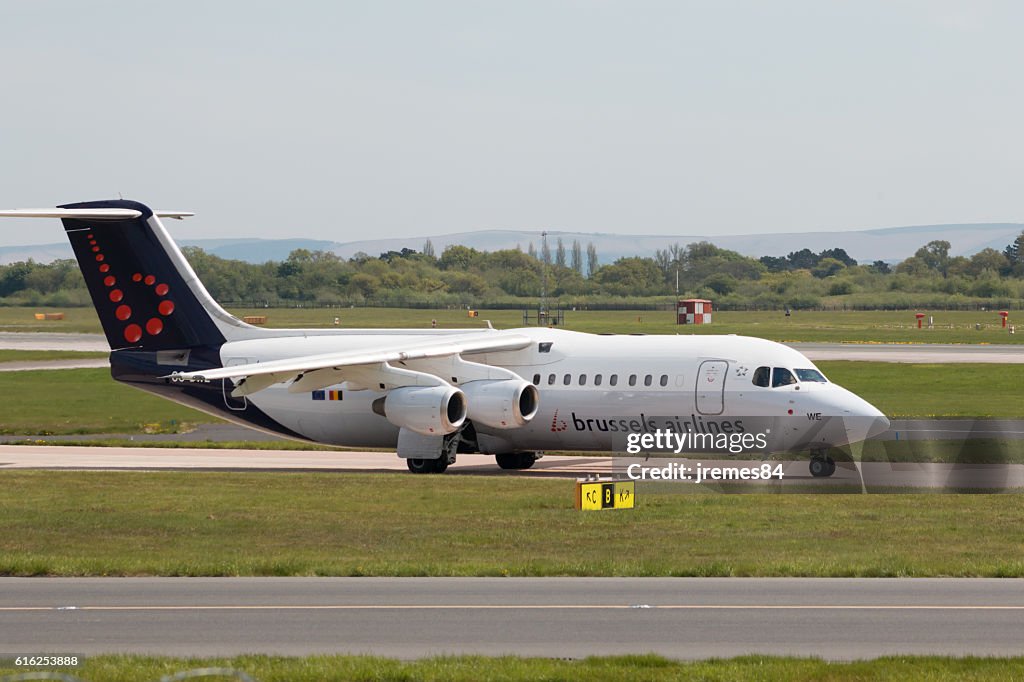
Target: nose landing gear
[
  {"x": 822, "y": 466},
  {"x": 516, "y": 460}
]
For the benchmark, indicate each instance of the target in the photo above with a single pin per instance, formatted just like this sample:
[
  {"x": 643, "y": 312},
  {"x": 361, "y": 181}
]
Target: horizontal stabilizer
[{"x": 88, "y": 213}]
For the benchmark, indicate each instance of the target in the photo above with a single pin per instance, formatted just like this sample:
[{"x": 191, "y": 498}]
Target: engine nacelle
[
  {"x": 504, "y": 404},
  {"x": 429, "y": 410}
]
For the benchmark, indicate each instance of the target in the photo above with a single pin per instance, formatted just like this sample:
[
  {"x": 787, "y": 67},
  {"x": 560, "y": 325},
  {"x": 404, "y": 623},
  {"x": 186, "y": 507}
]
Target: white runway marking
[{"x": 518, "y": 607}]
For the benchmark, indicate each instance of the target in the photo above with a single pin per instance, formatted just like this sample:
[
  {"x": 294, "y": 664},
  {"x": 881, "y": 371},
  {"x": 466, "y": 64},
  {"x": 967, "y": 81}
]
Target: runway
[
  {"x": 877, "y": 352},
  {"x": 683, "y": 618},
  {"x": 849, "y": 477},
  {"x": 913, "y": 352},
  {"x": 30, "y": 366},
  {"x": 53, "y": 341}
]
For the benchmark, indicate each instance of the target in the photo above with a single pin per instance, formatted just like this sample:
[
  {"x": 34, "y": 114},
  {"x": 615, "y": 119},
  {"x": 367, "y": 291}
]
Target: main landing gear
[
  {"x": 516, "y": 460},
  {"x": 449, "y": 448},
  {"x": 822, "y": 466},
  {"x": 427, "y": 466}
]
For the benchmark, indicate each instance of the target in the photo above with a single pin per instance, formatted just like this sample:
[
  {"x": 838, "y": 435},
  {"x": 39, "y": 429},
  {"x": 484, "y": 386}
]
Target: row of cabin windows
[{"x": 613, "y": 380}]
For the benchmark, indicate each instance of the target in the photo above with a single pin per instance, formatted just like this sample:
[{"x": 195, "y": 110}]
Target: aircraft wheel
[
  {"x": 516, "y": 460},
  {"x": 427, "y": 466},
  {"x": 822, "y": 466}
]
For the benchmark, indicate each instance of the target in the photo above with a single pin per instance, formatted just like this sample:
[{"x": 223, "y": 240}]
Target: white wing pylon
[{"x": 359, "y": 369}]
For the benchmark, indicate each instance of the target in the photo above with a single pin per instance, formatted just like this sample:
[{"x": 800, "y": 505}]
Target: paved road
[
  {"x": 885, "y": 352},
  {"x": 81, "y": 363},
  {"x": 564, "y": 617},
  {"x": 867, "y": 476},
  {"x": 921, "y": 352},
  {"x": 901, "y": 429},
  {"x": 53, "y": 341}
]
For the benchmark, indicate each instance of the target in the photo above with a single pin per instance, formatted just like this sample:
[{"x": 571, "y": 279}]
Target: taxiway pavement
[
  {"x": 878, "y": 352},
  {"x": 684, "y": 618},
  {"x": 849, "y": 477}
]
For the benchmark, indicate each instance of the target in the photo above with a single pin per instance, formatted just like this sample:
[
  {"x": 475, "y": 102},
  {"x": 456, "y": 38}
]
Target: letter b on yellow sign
[{"x": 598, "y": 495}]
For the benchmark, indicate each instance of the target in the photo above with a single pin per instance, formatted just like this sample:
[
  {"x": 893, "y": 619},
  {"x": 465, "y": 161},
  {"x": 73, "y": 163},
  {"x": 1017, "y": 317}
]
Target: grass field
[
  {"x": 85, "y": 401},
  {"x": 640, "y": 668},
  {"x": 80, "y": 400},
  {"x": 933, "y": 390},
  {"x": 47, "y": 355},
  {"x": 227, "y": 524},
  {"x": 852, "y": 326}
]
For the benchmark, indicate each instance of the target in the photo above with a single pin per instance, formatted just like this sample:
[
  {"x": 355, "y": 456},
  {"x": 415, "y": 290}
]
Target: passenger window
[
  {"x": 551, "y": 380},
  {"x": 567, "y": 379},
  {"x": 583, "y": 380},
  {"x": 664, "y": 380},
  {"x": 632, "y": 380},
  {"x": 648, "y": 380},
  {"x": 536, "y": 379},
  {"x": 614, "y": 381},
  {"x": 762, "y": 376},
  {"x": 782, "y": 377},
  {"x": 597, "y": 379}
]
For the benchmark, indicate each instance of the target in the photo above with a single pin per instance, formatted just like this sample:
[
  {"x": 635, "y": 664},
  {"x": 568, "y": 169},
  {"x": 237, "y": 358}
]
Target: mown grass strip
[
  {"x": 74, "y": 401},
  {"x": 637, "y": 668},
  {"x": 225, "y": 524},
  {"x": 47, "y": 355},
  {"x": 933, "y": 390}
]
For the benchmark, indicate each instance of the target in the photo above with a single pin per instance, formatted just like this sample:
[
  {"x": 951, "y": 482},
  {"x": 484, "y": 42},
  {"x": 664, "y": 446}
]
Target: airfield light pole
[{"x": 544, "y": 256}]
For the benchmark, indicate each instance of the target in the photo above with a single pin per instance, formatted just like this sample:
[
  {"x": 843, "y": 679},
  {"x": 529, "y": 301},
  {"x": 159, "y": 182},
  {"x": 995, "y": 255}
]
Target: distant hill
[{"x": 890, "y": 244}]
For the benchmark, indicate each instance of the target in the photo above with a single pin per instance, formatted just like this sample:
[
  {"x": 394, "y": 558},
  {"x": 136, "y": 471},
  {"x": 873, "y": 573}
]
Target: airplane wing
[{"x": 361, "y": 369}]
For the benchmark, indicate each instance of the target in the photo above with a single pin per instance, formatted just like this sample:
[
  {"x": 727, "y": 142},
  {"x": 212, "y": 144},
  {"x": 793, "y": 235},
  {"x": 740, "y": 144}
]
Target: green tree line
[{"x": 571, "y": 274}]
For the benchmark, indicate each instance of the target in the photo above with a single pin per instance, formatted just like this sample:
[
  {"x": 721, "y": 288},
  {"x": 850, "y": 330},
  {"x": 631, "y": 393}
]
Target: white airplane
[{"x": 432, "y": 394}]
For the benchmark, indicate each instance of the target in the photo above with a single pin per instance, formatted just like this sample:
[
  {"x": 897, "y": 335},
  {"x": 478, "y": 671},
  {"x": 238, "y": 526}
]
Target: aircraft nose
[
  {"x": 861, "y": 419},
  {"x": 879, "y": 425}
]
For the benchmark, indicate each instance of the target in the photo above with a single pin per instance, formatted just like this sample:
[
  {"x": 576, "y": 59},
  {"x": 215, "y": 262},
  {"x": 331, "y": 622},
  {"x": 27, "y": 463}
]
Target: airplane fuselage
[{"x": 594, "y": 389}]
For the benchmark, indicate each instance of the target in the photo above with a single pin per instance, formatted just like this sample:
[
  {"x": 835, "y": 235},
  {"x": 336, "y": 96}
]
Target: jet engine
[
  {"x": 428, "y": 410},
  {"x": 504, "y": 404}
]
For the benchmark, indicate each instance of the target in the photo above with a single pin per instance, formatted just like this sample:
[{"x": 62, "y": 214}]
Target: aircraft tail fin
[{"x": 146, "y": 294}]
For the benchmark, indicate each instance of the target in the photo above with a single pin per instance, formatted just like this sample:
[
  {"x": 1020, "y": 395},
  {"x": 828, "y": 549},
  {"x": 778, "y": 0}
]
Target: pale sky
[{"x": 352, "y": 120}]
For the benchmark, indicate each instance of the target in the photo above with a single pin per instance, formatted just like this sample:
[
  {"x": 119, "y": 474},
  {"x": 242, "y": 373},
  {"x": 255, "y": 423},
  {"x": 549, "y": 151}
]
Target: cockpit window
[
  {"x": 811, "y": 375},
  {"x": 782, "y": 377},
  {"x": 762, "y": 376}
]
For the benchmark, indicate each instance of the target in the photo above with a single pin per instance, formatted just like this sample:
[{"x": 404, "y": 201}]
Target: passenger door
[{"x": 710, "y": 388}]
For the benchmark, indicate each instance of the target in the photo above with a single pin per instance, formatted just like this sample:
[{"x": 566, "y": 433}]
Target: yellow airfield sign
[{"x": 598, "y": 495}]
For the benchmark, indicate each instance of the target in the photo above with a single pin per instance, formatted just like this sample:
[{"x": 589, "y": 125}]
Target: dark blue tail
[{"x": 146, "y": 295}]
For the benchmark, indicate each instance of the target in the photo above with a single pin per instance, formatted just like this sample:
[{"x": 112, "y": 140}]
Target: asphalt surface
[
  {"x": 901, "y": 429},
  {"x": 849, "y": 477},
  {"x": 909, "y": 352},
  {"x": 29, "y": 365},
  {"x": 53, "y": 341},
  {"x": 881, "y": 352},
  {"x": 552, "y": 617}
]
